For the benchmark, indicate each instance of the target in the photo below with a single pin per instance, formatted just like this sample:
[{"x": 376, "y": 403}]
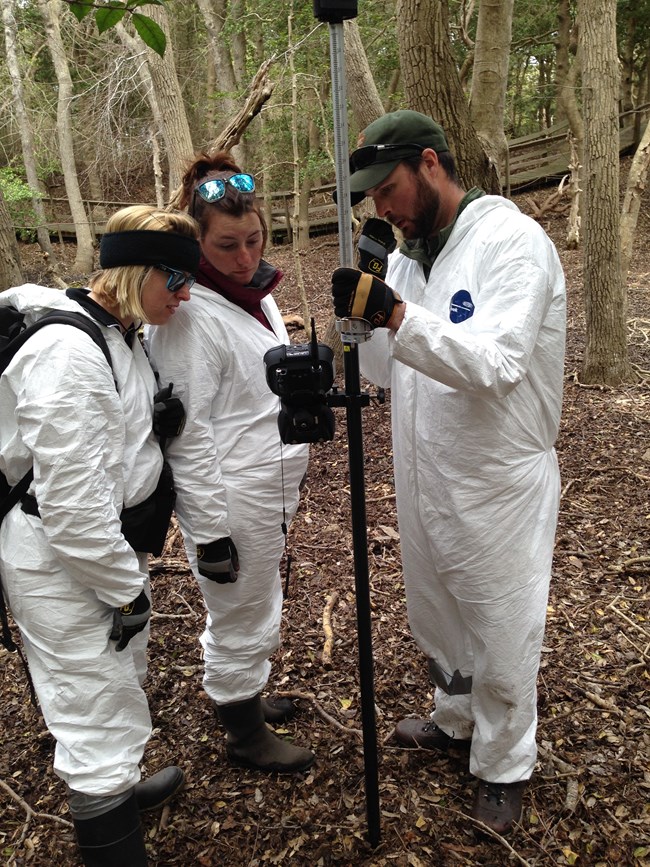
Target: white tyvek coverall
[
  {"x": 233, "y": 475},
  {"x": 93, "y": 451},
  {"x": 475, "y": 414}
]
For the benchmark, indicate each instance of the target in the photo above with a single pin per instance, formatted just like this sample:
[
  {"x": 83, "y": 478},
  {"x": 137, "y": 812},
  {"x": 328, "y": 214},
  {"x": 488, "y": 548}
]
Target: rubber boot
[
  {"x": 251, "y": 744},
  {"x": 158, "y": 790},
  {"x": 276, "y": 710},
  {"x": 113, "y": 839}
]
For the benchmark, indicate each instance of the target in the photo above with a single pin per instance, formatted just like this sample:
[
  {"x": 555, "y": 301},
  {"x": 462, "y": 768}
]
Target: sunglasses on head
[
  {"x": 177, "y": 279},
  {"x": 215, "y": 189},
  {"x": 382, "y": 153}
]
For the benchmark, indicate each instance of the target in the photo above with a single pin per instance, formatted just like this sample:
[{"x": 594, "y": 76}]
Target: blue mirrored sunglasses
[
  {"x": 177, "y": 279},
  {"x": 215, "y": 189}
]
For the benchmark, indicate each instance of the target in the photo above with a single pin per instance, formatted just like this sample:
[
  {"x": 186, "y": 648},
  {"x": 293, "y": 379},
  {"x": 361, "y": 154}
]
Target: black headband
[{"x": 146, "y": 247}]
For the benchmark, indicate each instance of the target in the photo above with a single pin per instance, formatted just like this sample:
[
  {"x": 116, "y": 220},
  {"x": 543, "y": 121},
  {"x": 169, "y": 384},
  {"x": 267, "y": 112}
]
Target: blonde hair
[{"x": 121, "y": 286}]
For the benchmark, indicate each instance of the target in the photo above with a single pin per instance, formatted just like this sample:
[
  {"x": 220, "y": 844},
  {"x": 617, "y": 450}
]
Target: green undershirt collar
[{"x": 427, "y": 250}]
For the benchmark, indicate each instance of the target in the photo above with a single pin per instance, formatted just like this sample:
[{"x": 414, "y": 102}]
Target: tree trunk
[
  {"x": 213, "y": 13},
  {"x": 490, "y": 78},
  {"x": 629, "y": 46},
  {"x": 432, "y": 86},
  {"x": 157, "y": 167},
  {"x": 167, "y": 93},
  {"x": 362, "y": 91},
  {"x": 10, "y": 269},
  {"x": 606, "y": 359},
  {"x": 135, "y": 49},
  {"x": 566, "y": 74},
  {"x": 25, "y": 128},
  {"x": 51, "y": 11},
  {"x": 636, "y": 184}
]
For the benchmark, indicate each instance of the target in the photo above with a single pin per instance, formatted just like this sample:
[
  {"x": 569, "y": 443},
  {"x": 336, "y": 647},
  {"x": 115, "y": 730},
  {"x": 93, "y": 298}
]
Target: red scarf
[{"x": 249, "y": 298}]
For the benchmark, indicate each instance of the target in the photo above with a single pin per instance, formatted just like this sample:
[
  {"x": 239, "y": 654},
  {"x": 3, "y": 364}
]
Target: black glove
[
  {"x": 129, "y": 620},
  {"x": 218, "y": 561},
  {"x": 375, "y": 243},
  {"x": 168, "y": 413},
  {"x": 362, "y": 296}
]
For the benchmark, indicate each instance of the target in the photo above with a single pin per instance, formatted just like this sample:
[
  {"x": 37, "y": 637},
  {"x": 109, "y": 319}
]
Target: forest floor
[{"x": 588, "y": 802}]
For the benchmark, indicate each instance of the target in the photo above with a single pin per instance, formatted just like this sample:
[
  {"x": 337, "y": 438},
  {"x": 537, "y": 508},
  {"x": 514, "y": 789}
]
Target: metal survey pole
[{"x": 353, "y": 331}]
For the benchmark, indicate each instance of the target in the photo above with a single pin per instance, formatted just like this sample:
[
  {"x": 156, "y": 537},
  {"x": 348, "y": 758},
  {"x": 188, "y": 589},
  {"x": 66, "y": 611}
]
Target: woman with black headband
[
  {"x": 237, "y": 484},
  {"x": 77, "y": 587}
]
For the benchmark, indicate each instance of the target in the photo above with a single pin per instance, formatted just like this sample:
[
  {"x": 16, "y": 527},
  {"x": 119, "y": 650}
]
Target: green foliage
[
  {"x": 109, "y": 14},
  {"x": 150, "y": 33},
  {"x": 18, "y": 197}
]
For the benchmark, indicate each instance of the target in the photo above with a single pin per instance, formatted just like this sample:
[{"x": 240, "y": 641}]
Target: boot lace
[{"x": 494, "y": 792}]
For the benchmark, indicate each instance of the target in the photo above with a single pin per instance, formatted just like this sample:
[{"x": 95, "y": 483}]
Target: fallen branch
[
  {"x": 186, "y": 603},
  {"x": 624, "y": 617},
  {"x": 562, "y": 766},
  {"x": 320, "y": 710},
  {"x": 259, "y": 92},
  {"x": 572, "y": 796},
  {"x": 634, "y": 560},
  {"x": 603, "y": 703},
  {"x": 326, "y": 657},
  {"x": 156, "y": 616},
  {"x": 566, "y": 488},
  {"x": 572, "y": 786},
  {"x": 379, "y": 499},
  {"x": 30, "y": 813}
]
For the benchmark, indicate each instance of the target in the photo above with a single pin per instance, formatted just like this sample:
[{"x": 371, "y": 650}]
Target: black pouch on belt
[{"x": 145, "y": 526}]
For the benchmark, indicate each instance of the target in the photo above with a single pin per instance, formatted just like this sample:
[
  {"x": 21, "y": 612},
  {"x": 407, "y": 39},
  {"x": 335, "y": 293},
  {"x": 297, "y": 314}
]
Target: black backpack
[{"x": 13, "y": 334}]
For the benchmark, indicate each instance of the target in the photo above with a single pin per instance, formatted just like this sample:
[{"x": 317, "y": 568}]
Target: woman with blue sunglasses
[{"x": 237, "y": 484}]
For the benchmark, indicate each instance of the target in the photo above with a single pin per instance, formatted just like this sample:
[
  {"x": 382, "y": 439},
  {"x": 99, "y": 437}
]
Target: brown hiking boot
[
  {"x": 498, "y": 805},
  {"x": 425, "y": 735}
]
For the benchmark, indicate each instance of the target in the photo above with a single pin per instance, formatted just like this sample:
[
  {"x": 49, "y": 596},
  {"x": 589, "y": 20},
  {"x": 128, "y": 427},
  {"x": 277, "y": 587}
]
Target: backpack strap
[{"x": 62, "y": 317}]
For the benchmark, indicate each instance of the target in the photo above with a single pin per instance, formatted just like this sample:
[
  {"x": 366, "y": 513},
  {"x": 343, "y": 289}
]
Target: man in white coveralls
[{"x": 470, "y": 339}]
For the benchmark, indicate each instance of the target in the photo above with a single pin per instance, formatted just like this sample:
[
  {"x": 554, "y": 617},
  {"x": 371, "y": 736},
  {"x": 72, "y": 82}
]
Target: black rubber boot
[
  {"x": 159, "y": 789},
  {"x": 277, "y": 709},
  {"x": 113, "y": 839},
  {"x": 251, "y": 744}
]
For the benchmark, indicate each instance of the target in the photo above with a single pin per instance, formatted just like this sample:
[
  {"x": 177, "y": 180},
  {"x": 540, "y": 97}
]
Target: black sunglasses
[
  {"x": 177, "y": 279},
  {"x": 382, "y": 153}
]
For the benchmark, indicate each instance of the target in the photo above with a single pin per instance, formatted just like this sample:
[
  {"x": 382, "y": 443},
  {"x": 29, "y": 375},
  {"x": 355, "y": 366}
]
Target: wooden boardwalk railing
[
  {"x": 534, "y": 160},
  {"x": 544, "y": 157}
]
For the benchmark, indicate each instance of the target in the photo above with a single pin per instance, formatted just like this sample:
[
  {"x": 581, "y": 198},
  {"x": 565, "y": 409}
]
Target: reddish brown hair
[{"x": 233, "y": 202}]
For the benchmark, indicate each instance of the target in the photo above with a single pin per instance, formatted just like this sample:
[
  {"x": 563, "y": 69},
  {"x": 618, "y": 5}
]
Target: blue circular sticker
[{"x": 461, "y": 306}]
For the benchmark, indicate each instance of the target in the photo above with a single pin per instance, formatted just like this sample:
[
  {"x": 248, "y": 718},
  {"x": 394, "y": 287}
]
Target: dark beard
[{"x": 427, "y": 210}]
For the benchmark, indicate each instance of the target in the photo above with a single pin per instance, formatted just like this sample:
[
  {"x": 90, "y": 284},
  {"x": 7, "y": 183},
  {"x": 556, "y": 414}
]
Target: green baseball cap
[{"x": 387, "y": 141}]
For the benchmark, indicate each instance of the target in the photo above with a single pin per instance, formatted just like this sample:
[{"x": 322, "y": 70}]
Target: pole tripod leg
[
  {"x": 334, "y": 12},
  {"x": 362, "y": 592}
]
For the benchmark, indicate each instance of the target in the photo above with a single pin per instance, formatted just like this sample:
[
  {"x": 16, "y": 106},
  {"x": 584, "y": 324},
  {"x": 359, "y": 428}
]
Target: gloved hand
[
  {"x": 362, "y": 296},
  {"x": 218, "y": 561},
  {"x": 375, "y": 243},
  {"x": 168, "y": 413},
  {"x": 129, "y": 620}
]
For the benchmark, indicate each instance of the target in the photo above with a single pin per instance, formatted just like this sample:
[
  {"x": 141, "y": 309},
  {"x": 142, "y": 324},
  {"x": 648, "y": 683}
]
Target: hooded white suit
[
  {"x": 476, "y": 372},
  {"x": 233, "y": 475},
  {"x": 93, "y": 451}
]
